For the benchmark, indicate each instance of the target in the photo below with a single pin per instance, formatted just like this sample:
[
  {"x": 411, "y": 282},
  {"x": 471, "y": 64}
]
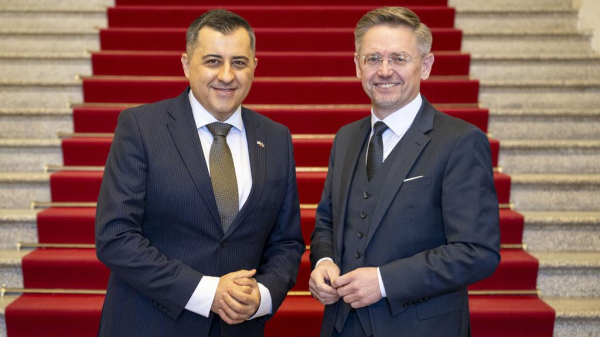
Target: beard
[{"x": 386, "y": 103}]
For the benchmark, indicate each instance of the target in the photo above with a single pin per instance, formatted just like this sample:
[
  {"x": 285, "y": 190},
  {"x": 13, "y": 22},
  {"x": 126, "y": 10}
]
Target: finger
[
  {"x": 228, "y": 319},
  {"x": 249, "y": 282},
  {"x": 341, "y": 281},
  {"x": 243, "y": 273},
  {"x": 240, "y": 296},
  {"x": 233, "y": 309}
]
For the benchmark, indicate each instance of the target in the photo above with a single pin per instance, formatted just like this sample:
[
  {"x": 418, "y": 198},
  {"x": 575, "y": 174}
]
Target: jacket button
[
  {"x": 363, "y": 215},
  {"x": 357, "y": 255},
  {"x": 406, "y": 305},
  {"x": 366, "y": 195},
  {"x": 360, "y": 234},
  {"x": 223, "y": 244}
]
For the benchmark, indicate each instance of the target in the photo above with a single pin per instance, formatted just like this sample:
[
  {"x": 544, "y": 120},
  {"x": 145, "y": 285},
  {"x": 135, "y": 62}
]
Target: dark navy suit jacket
[
  {"x": 158, "y": 227},
  {"x": 430, "y": 236}
]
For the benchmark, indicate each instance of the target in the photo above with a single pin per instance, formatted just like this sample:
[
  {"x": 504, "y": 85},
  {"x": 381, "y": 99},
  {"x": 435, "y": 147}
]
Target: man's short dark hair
[{"x": 221, "y": 20}]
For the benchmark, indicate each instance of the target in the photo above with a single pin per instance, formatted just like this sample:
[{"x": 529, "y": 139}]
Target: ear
[
  {"x": 185, "y": 62},
  {"x": 357, "y": 64},
  {"x": 427, "y": 65},
  {"x": 255, "y": 63}
]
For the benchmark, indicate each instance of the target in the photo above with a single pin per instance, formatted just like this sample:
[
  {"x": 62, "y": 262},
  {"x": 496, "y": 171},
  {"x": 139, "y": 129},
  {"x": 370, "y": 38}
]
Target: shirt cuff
[
  {"x": 323, "y": 259},
  {"x": 381, "y": 287},
  {"x": 202, "y": 298},
  {"x": 266, "y": 304}
]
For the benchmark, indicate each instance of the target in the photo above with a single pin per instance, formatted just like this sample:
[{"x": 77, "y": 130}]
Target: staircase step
[
  {"x": 296, "y": 15},
  {"x": 274, "y": 39},
  {"x": 168, "y": 63},
  {"x": 575, "y": 317},
  {"x": 55, "y": 5},
  {"x": 569, "y": 274},
  {"x": 52, "y": 19},
  {"x": 491, "y": 316},
  {"x": 29, "y": 154},
  {"x": 574, "y": 94},
  {"x": 547, "y": 156},
  {"x": 18, "y": 123},
  {"x": 556, "y": 192},
  {"x": 35, "y": 94},
  {"x": 542, "y": 67},
  {"x": 10, "y": 267},
  {"x": 269, "y": 90},
  {"x": 562, "y": 231},
  {"x": 18, "y": 189},
  {"x": 551, "y": 124},
  {"x": 509, "y": 4},
  {"x": 484, "y": 20},
  {"x": 213, "y": 3},
  {"x": 526, "y": 42},
  {"x": 309, "y": 150},
  {"x": 4, "y": 302},
  {"x": 44, "y": 67},
  {"x": 47, "y": 41},
  {"x": 80, "y": 186},
  {"x": 17, "y": 225}
]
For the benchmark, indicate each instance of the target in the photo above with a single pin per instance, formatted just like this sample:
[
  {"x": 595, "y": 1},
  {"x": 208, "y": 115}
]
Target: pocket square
[{"x": 413, "y": 178}]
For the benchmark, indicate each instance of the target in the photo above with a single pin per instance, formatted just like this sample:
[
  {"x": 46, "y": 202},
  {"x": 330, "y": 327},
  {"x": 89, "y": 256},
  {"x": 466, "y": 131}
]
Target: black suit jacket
[
  {"x": 158, "y": 227},
  {"x": 431, "y": 236}
]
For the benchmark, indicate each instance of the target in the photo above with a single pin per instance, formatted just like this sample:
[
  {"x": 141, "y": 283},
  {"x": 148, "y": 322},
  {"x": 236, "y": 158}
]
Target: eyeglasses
[{"x": 397, "y": 61}]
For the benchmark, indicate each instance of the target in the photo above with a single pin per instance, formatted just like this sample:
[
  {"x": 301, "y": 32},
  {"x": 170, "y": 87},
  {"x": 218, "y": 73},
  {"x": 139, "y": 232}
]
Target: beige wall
[{"x": 589, "y": 19}]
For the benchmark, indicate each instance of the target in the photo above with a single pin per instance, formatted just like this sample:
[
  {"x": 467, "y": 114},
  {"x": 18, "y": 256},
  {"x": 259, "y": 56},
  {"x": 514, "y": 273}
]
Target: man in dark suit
[
  {"x": 409, "y": 214},
  {"x": 198, "y": 216}
]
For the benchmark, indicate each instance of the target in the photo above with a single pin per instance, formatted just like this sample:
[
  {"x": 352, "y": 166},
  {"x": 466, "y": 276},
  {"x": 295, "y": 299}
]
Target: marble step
[
  {"x": 29, "y": 155},
  {"x": 56, "y": 5},
  {"x": 536, "y": 19},
  {"x": 576, "y": 317},
  {"x": 17, "y": 225},
  {"x": 53, "y": 19},
  {"x": 555, "y": 192},
  {"x": 535, "y": 67},
  {"x": 4, "y": 302},
  {"x": 546, "y": 124},
  {"x": 509, "y": 4},
  {"x": 10, "y": 267},
  {"x": 35, "y": 93},
  {"x": 571, "y": 94},
  {"x": 522, "y": 42},
  {"x": 562, "y": 231},
  {"x": 550, "y": 156},
  {"x": 19, "y": 189},
  {"x": 44, "y": 66},
  {"x": 48, "y": 41},
  {"x": 39, "y": 123},
  {"x": 569, "y": 274}
]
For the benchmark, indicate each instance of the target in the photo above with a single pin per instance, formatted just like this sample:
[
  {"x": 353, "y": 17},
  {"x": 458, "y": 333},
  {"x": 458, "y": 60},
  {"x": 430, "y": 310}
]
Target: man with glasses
[{"x": 409, "y": 214}]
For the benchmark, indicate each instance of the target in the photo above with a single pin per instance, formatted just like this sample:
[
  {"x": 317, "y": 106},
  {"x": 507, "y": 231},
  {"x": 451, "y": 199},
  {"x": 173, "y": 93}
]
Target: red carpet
[
  {"x": 91, "y": 119},
  {"x": 139, "y": 63},
  {"x": 272, "y": 39},
  {"x": 265, "y": 16},
  {"x": 145, "y": 63}
]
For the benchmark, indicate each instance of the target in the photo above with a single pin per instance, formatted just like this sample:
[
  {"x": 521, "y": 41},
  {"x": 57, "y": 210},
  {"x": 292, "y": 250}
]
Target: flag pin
[{"x": 259, "y": 143}]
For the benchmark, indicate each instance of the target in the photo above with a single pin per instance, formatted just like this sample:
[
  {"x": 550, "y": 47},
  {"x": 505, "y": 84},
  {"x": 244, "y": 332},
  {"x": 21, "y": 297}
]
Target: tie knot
[
  {"x": 379, "y": 128},
  {"x": 219, "y": 128}
]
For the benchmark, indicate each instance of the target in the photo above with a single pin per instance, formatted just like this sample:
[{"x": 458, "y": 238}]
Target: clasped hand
[
  {"x": 359, "y": 288},
  {"x": 237, "y": 297}
]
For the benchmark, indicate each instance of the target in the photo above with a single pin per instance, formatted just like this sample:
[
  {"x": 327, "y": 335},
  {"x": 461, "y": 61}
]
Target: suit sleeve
[
  {"x": 470, "y": 216},
  {"x": 120, "y": 241},
  {"x": 322, "y": 236},
  {"x": 285, "y": 246}
]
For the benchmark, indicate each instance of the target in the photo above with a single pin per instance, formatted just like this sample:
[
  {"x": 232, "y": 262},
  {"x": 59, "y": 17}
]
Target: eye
[
  {"x": 372, "y": 59},
  {"x": 212, "y": 62},
  {"x": 239, "y": 64},
  {"x": 400, "y": 59}
]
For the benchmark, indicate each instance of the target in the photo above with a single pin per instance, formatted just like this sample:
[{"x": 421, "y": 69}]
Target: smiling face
[
  {"x": 391, "y": 89},
  {"x": 220, "y": 70}
]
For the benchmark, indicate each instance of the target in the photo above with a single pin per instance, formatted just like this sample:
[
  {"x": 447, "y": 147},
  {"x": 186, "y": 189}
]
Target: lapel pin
[{"x": 259, "y": 143}]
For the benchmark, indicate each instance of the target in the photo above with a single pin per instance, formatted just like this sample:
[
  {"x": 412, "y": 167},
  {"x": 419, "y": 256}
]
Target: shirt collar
[
  {"x": 203, "y": 117},
  {"x": 400, "y": 120}
]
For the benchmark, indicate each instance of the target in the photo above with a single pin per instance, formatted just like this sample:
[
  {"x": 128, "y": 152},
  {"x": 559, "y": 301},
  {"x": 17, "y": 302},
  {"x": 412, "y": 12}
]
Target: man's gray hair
[
  {"x": 221, "y": 20},
  {"x": 394, "y": 17}
]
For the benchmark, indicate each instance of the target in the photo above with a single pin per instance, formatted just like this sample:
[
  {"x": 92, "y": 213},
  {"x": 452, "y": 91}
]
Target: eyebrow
[{"x": 220, "y": 57}]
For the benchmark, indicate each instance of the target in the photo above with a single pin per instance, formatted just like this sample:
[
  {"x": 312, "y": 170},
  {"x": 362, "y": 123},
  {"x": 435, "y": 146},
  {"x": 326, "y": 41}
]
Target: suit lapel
[
  {"x": 254, "y": 134},
  {"x": 410, "y": 147},
  {"x": 182, "y": 128},
  {"x": 350, "y": 161}
]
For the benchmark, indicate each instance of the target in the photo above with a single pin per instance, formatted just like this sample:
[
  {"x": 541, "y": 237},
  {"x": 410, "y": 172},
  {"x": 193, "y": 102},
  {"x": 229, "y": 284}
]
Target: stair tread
[
  {"x": 575, "y": 307},
  {"x": 568, "y": 259}
]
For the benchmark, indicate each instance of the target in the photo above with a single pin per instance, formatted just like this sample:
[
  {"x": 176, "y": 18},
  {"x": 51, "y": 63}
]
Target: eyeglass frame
[{"x": 389, "y": 60}]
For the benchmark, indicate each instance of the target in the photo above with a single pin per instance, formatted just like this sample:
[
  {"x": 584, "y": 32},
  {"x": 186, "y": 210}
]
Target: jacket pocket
[{"x": 416, "y": 183}]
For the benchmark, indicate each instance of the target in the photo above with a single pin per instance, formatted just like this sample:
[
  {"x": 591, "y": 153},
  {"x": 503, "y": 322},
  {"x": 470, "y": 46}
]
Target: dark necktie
[
  {"x": 375, "y": 155},
  {"x": 222, "y": 174}
]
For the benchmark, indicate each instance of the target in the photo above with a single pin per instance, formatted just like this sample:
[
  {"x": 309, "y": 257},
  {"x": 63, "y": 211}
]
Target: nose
[
  {"x": 226, "y": 73},
  {"x": 385, "y": 69}
]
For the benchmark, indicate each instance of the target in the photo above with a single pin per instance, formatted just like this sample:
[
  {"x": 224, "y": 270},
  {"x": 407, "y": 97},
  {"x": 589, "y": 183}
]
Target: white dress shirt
[
  {"x": 398, "y": 123},
  {"x": 203, "y": 296}
]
